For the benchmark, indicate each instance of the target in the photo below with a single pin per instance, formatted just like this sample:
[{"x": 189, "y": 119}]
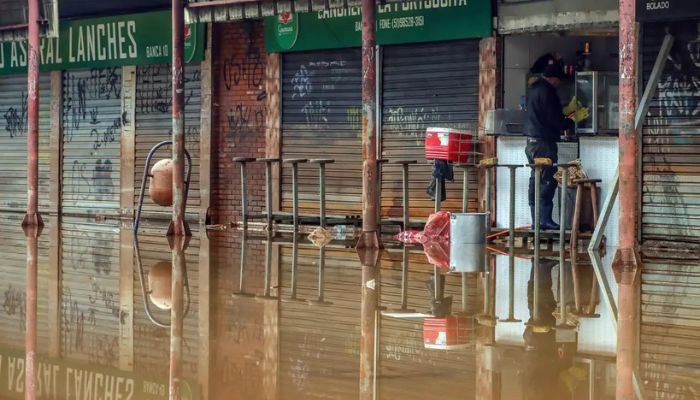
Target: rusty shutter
[
  {"x": 425, "y": 85},
  {"x": 319, "y": 343},
  {"x": 13, "y": 141},
  {"x": 91, "y": 141},
  {"x": 154, "y": 124},
  {"x": 321, "y": 118},
  {"x": 671, "y": 139},
  {"x": 671, "y": 216},
  {"x": 90, "y": 288}
]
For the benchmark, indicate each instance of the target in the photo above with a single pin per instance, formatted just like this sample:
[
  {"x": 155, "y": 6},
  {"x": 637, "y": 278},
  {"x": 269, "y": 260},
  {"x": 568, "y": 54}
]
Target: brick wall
[{"x": 239, "y": 112}]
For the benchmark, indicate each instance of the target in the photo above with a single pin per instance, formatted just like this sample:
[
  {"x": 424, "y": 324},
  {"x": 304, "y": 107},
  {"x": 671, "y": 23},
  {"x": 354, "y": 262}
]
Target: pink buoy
[
  {"x": 159, "y": 282},
  {"x": 160, "y": 187}
]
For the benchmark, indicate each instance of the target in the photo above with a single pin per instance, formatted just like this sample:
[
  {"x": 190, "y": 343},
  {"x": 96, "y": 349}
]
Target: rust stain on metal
[
  {"x": 369, "y": 138},
  {"x": 32, "y": 217},
  {"x": 178, "y": 224}
]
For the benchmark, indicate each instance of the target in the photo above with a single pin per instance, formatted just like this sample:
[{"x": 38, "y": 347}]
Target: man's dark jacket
[{"x": 545, "y": 120}]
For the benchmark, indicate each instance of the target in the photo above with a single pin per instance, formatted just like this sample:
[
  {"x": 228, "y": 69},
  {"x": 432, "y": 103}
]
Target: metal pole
[
  {"x": 268, "y": 193},
  {"x": 370, "y": 170},
  {"x": 406, "y": 213},
  {"x": 627, "y": 262},
  {"x": 295, "y": 196},
  {"x": 511, "y": 247},
  {"x": 536, "y": 223},
  {"x": 404, "y": 278},
  {"x": 177, "y": 317},
  {"x": 487, "y": 198},
  {"x": 244, "y": 196},
  {"x": 32, "y": 236},
  {"x": 438, "y": 194},
  {"x": 178, "y": 226},
  {"x": 465, "y": 190},
  {"x": 368, "y": 323},
  {"x": 32, "y": 217},
  {"x": 322, "y": 194},
  {"x": 563, "y": 310}
]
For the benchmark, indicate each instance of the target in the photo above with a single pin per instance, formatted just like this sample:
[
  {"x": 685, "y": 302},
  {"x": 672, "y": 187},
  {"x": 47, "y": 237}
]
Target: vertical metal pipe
[
  {"x": 438, "y": 194},
  {"x": 322, "y": 194},
  {"x": 368, "y": 324},
  {"x": 241, "y": 271},
  {"x": 244, "y": 196},
  {"x": 627, "y": 324},
  {"x": 295, "y": 196},
  {"x": 178, "y": 109},
  {"x": 465, "y": 190},
  {"x": 369, "y": 137},
  {"x": 268, "y": 193},
  {"x": 295, "y": 259},
  {"x": 32, "y": 217},
  {"x": 628, "y": 137},
  {"x": 176, "y": 319},
  {"x": 406, "y": 213},
  {"x": 511, "y": 246},
  {"x": 404, "y": 278},
  {"x": 32, "y": 238},
  {"x": 321, "y": 273},
  {"x": 465, "y": 289},
  {"x": 536, "y": 260},
  {"x": 268, "y": 265},
  {"x": 562, "y": 247}
]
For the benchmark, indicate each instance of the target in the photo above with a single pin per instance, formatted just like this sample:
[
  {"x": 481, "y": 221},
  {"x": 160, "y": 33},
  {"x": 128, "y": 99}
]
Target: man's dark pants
[{"x": 548, "y": 185}]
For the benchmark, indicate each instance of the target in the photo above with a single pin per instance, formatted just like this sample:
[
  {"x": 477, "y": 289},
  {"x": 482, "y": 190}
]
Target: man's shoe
[{"x": 546, "y": 221}]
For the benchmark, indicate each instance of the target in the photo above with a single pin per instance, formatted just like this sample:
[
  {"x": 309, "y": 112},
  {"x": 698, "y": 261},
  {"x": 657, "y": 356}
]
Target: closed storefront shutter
[
  {"x": 671, "y": 139},
  {"x": 425, "y": 85},
  {"x": 91, "y": 141},
  {"x": 90, "y": 288},
  {"x": 321, "y": 118},
  {"x": 671, "y": 215},
  {"x": 154, "y": 124},
  {"x": 13, "y": 141}
]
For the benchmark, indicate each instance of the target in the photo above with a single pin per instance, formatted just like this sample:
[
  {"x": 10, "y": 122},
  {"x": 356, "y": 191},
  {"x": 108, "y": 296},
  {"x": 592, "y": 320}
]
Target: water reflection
[{"x": 257, "y": 316}]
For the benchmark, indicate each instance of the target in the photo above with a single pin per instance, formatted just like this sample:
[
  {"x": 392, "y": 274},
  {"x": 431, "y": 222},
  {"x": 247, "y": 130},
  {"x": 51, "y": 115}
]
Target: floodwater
[{"x": 280, "y": 318}]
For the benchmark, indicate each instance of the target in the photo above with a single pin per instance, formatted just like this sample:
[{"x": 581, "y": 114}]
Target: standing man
[{"x": 544, "y": 126}]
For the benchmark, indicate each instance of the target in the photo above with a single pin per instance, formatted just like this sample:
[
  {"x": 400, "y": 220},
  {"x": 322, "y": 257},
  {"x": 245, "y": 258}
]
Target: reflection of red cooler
[
  {"x": 446, "y": 333},
  {"x": 448, "y": 144}
]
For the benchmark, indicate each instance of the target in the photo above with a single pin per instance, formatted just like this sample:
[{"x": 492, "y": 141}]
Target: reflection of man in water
[{"x": 544, "y": 361}]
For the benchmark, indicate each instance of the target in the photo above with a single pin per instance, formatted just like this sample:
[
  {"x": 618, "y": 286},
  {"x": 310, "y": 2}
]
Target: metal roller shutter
[
  {"x": 671, "y": 139},
  {"x": 91, "y": 141},
  {"x": 154, "y": 124},
  {"x": 671, "y": 216},
  {"x": 90, "y": 287},
  {"x": 425, "y": 85},
  {"x": 13, "y": 141},
  {"x": 321, "y": 118}
]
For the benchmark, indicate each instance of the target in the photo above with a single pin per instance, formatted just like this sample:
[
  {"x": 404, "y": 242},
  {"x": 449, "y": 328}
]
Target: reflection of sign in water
[{"x": 60, "y": 379}]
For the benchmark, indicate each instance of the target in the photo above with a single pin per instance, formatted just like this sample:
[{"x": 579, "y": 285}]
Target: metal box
[{"x": 468, "y": 242}]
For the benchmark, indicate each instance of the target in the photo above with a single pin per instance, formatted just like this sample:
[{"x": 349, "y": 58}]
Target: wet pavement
[{"x": 266, "y": 317}]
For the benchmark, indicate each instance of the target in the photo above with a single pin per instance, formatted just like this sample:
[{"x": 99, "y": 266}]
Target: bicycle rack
[
  {"x": 147, "y": 174},
  {"x": 145, "y": 293}
]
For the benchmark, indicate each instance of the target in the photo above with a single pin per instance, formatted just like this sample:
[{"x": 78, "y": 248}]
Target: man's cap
[{"x": 554, "y": 71}]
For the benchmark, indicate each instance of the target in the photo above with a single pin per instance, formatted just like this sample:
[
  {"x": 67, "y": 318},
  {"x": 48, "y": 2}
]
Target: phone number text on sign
[{"x": 396, "y": 23}]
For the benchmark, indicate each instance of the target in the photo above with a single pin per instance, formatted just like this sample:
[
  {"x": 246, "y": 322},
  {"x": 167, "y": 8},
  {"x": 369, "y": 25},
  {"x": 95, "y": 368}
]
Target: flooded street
[{"x": 280, "y": 318}]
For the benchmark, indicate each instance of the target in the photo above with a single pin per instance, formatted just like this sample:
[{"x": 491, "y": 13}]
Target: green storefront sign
[
  {"x": 60, "y": 379},
  {"x": 133, "y": 39},
  {"x": 401, "y": 22}
]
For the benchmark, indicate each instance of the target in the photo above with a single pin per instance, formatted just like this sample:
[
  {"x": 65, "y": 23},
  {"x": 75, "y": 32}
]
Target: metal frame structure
[{"x": 147, "y": 174}]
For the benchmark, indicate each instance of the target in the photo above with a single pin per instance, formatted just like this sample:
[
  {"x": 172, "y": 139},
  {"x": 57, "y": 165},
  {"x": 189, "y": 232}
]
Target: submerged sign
[
  {"x": 400, "y": 22},
  {"x": 109, "y": 41},
  {"x": 59, "y": 379}
]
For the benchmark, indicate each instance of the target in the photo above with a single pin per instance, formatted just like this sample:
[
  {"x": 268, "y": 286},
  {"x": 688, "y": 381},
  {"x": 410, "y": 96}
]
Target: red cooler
[
  {"x": 446, "y": 333},
  {"x": 448, "y": 144}
]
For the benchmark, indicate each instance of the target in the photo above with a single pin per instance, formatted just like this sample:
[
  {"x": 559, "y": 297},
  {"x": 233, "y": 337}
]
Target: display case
[{"x": 599, "y": 92}]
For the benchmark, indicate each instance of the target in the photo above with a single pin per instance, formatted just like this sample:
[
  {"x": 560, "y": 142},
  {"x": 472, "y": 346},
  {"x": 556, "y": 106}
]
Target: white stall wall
[{"x": 599, "y": 156}]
